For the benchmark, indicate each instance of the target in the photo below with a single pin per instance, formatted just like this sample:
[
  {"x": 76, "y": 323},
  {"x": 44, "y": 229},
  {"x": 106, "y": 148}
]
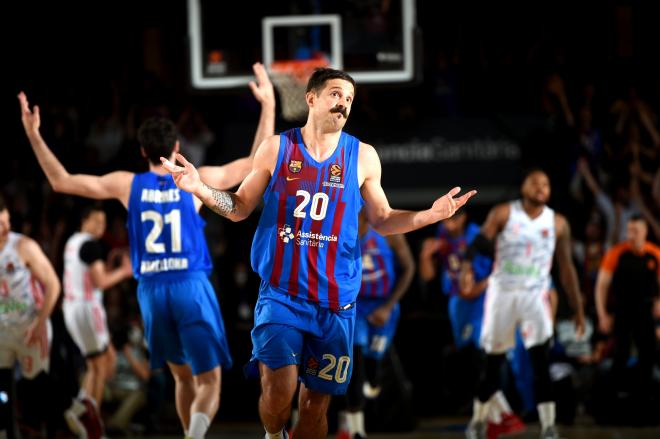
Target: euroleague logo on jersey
[{"x": 335, "y": 177}]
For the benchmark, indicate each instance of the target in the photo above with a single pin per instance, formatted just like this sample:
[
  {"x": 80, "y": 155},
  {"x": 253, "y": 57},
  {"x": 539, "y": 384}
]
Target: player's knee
[
  {"x": 182, "y": 374},
  {"x": 312, "y": 409},
  {"x": 275, "y": 401},
  {"x": 208, "y": 379}
]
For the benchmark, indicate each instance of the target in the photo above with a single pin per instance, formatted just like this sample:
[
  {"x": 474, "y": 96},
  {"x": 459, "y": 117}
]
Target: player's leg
[
  {"x": 184, "y": 392},
  {"x": 536, "y": 329},
  {"x": 164, "y": 343},
  {"x": 497, "y": 336},
  {"x": 327, "y": 366},
  {"x": 278, "y": 387},
  {"x": 313, "y": 422},
  {"x": 87, "y": 325},
  {"x": 202, "y": 334},
  {"x": 95, "y": 377},
  {"x": 7, "y": 393},
  {"x": 35, "y": 382}
]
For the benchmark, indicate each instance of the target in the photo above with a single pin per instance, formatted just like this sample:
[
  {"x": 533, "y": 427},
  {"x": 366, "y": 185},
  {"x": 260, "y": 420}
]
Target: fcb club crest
[
  {"x": 335, "y": 173},
  {"x": 295, "y": 166}
]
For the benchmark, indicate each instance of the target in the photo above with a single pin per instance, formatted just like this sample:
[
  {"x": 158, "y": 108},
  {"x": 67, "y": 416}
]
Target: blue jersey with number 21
[{"x": 165, "y": 231}]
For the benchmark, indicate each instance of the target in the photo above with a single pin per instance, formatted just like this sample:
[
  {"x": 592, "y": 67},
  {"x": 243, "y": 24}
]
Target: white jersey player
[
  {"x": 519, "y": 285},
  {"x": 86, "y": 275},
  {"x": 527, "y": 236},
  {"x": 29, "y": 288}
]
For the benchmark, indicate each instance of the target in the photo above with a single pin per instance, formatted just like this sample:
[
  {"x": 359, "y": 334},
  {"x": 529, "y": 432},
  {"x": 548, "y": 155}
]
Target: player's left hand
[
  {"x": 262, "y": 89},
  {"x": 185, "y": 177},
  {"x": 31, "y": 118},
  {"x": 446, "y": 206},
  {"x": 380, "y": 316},
  {"x": 37, "y": 333}
]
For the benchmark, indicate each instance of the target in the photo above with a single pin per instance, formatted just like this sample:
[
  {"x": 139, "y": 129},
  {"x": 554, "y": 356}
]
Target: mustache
[{"x": 339, "y": 109}]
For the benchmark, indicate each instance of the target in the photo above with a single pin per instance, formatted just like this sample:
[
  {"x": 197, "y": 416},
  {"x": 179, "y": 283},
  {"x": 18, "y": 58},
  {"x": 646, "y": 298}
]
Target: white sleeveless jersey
[
  {"x": 524, "y": 252},
  {"x": 78, "y": 286},
  {"x": 21, "y": 294}
]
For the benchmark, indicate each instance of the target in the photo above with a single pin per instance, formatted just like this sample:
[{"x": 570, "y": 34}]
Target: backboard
[{"x": 373, "y": 40}]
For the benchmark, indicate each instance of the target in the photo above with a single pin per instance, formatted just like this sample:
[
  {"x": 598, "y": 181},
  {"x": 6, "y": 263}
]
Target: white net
[
  {"x": 290, "y": 78},
  {"x": 292, "y": 95}
]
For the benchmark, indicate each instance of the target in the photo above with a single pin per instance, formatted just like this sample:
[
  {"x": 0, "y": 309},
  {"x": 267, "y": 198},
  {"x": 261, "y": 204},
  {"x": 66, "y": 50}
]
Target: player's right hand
[
  {"x": 185, "y": 177},
  {"x": 605, "y": 323}
]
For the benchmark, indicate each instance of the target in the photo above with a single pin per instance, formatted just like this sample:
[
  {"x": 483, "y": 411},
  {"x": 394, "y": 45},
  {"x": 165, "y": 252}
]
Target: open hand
[
  {"x": 30, "y": 118},
  {"x": 185, "y": 177},
  {"x": 446, "y": 206},
  {"x": 37, "y": 334},
  {"x": 263, "y": 88}
]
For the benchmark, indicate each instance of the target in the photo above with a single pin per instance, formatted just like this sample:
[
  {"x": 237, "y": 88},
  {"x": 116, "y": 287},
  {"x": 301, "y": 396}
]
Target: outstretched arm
[
  {"x": 234, "y": 206},
  {"x": 43, "y": 271},
  {"x": 113, "y": 185},
  {"x": 388, "y": 221},
  {"x": 232, "y": 173},
  {"x": 567, "y": 273}
]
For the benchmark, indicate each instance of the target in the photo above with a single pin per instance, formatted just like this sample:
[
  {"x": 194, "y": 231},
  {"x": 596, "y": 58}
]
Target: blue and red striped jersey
[
  {"x": 378, "y": 266},
  {"x": 306, "y": 243}
]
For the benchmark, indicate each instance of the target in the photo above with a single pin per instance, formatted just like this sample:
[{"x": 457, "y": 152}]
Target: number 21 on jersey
[{"x": 173, "y": 218}]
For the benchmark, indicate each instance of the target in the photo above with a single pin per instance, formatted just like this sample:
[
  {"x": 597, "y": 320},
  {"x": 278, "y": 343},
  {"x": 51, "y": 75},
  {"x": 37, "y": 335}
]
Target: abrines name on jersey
[{"x": 156, "y": 196}]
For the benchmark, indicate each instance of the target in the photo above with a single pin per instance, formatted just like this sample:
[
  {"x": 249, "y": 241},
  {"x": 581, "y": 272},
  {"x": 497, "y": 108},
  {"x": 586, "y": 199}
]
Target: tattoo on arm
[{"x": 224, "y": 203}]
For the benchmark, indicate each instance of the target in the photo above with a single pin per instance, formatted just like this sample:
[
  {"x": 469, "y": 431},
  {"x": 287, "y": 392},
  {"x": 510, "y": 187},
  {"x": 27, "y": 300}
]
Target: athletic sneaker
[
  {"x": 476, "y": 430},
  {"x": 91, "y": 420},
  {"x": 285, "y": 435},
  {"x": 509, "y": 424},
  {"x": 550, "y": 433}
]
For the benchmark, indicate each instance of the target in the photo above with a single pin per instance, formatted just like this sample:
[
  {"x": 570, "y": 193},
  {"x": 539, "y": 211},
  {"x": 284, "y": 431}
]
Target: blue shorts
[
  {"x": 290, "y": 330},
  {"x": 374, "y": 340},
  {"x": 465, "y": 317},
  {"x": 182, "y": 322}
]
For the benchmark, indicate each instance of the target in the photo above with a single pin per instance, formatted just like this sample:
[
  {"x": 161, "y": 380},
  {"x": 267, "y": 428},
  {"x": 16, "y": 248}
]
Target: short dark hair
[
  {"x": 157, "y": 135},
  {"x": 531, "y": 170},
  {"x": 636, "y": 217},
  {"x": 322, "y": 75},
  {"x": 88, "y": 210},
  {"x": 3, "y": 204}
]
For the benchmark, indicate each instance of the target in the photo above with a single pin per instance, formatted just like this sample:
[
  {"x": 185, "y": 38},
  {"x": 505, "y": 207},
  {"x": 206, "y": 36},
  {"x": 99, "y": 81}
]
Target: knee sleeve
[
  {"x": 489, "y": 382},
  {"x": 354, "y": 395},
  {"x": 540, "y": 357}
]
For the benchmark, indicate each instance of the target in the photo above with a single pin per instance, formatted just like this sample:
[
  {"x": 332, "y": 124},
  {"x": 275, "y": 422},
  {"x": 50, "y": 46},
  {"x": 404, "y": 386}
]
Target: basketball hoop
[{"x": 290, "y": 78}]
